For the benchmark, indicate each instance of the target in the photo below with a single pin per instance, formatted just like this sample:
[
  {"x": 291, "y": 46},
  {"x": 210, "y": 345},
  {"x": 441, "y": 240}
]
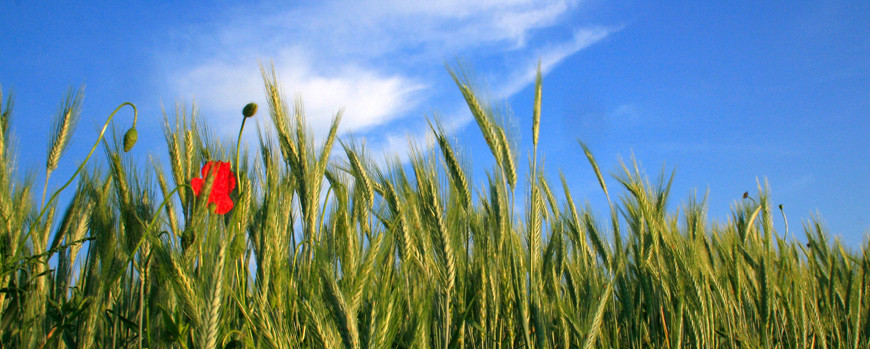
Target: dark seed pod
[
  {"x": 187, "y": 238},
  {"x": 130, "y": 139},
  {"x": 249, "y": 110}
]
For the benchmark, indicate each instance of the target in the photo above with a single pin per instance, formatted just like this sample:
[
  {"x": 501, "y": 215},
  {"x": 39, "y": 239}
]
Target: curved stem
[
  {"x": 236, "y": 163},
  {"x": 239, "y": 145},
  {"x": 80, "y": 168}
]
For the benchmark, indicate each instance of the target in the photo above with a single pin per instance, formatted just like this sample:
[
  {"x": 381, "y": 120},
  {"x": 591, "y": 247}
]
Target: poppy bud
[
  {"x": 187, "y": 238},
  {"x": 249, "y": 110},
  {"x": 130, "y": 139}
]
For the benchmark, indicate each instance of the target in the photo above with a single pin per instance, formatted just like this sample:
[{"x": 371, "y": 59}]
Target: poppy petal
[
  {"x": 196, "y": 183},
  {"x": 224, "y": 205},
  {"x": 223, "y": 183},
  {"x": 205, "y": 168}
]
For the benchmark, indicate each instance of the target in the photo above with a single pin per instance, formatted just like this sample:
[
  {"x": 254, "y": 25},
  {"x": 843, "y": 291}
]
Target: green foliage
[{"x": 320, "y": 252}]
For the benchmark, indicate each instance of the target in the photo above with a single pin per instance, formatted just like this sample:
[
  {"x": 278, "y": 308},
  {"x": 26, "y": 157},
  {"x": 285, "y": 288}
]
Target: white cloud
[
  {"x": 431, "y": 26},
  {"x": 379, "y": 61},
  {"x": 517, "y": 24},
  {"x": 367, "y": 97}
]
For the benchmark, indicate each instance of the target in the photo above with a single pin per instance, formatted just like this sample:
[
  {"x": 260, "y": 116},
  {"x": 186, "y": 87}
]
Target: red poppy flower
[{"x": 224, "y": 183}]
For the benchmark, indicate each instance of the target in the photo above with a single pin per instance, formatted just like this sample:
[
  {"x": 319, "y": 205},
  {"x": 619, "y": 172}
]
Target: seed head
[
  {"x": 130, "y": 139},
  {"x": 249, "y": 110},
  {"x": 187, "y": 238}
]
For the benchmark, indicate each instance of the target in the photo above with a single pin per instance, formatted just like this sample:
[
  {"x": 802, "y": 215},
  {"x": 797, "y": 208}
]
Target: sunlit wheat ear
[
  {"x": 331, "y": 137},
  {"x": 548, "y": 194},
  {"x": 386, "y": 314},
  {"x": 595, "y": 236},
  {"x": 184, "y": 286},
  {"x": 174, "y": 146},
  {"x": 209, "y": 334},
  {"x": 534, "y": 228},
  {"x": 597, "y": 321},
  {"x": 279, "y": 113},
  {"x": 457, "y": 176},
  {"x": 323, "y": 333},
  {"x": 301, "y": 128},
  {"x": 507, "y": 158},
  {"x": 481, "y": 115},
  {"x": 594, "y": 165},
  {"x": 360, "y": 173},
  {"x": 63, "y": 126},
  {"x": 575, "y": 226},
  {"x": 498, "y": 205},
  {"x": 347, "y": 324},
  {"x": 170, "y": 203},
  {"x": 536, "y": 111},
  {"x": 365, "y": 273},
  {"x": 191, "y": 141}
]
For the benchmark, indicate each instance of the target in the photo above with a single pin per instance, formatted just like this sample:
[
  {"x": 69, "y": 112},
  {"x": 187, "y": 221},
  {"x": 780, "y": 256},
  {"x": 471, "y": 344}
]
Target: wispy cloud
[
  {"x": 379, "y": 61},
  {"x": 552, "y": 55},
  {"x": 368, "y": 97}
]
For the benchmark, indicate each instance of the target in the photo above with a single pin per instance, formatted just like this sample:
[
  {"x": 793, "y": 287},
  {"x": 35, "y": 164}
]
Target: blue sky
[{"x": 726, "y": 93}]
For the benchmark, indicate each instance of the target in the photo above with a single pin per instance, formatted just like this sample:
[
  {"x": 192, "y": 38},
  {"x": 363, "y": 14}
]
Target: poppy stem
[
  {"x": 239, "y": 145},
  {"x": 79, "y": 169},
  {"x": 248, "y": 111}
]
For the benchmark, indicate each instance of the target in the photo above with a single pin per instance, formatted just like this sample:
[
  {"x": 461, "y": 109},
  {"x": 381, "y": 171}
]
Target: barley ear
[
  {"x": 330, "y": 140},
  {"x": 481, "y": 115},
  {"x": 508, "y": 165},
  {"x": 614, "y": 218},
  {"x": 360, "y": 173},
  {"x": 598, "y": 319},
  {"x": 63, "y": 126},
  {"x": 594, "y": 165},
  {"x": 209, "y": 329},
  {"x": 457, "y": 176},
  {"x": 346, "y": 321},
  {"x": 279, "y": 112}
]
